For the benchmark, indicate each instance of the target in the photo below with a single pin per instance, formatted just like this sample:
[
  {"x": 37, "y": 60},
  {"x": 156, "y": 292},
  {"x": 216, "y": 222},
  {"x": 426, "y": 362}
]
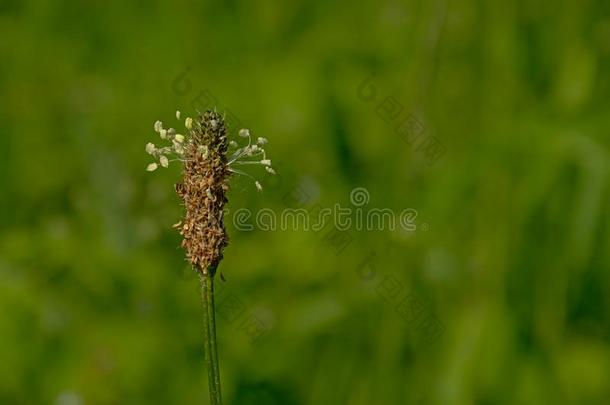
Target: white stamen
[
  {"x": 158, "y": 126},
  {"x": 151, "y": 167},
  {"x": 244, "y": 133},
  {"x": 150, "y": 148},
  {"x": 178, "y": 148},
  {"x": 258, "y": 186},
  {"x": 164, "y": 162}
]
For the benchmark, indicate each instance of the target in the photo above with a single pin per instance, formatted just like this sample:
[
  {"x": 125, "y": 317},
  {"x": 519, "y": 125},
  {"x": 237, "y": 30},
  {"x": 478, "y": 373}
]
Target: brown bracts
[{"x": 203, "y": 191}]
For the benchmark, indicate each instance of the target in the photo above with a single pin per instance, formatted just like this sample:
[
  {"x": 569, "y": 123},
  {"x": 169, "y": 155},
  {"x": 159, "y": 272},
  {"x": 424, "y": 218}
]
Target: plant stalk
[{"x": 211, "y": 352}]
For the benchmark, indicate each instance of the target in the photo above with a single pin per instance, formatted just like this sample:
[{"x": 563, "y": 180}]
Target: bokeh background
[{"x": 500, "y": 296}]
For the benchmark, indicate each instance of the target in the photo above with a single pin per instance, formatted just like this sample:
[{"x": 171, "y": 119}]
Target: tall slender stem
[{"x": 211, "y": 352}]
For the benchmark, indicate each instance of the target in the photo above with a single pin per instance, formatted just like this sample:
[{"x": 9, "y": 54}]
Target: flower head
[{"x": 206, "y": 171}]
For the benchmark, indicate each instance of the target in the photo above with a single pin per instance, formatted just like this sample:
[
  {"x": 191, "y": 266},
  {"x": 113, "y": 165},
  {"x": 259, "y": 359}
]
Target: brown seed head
[{"x": 202, "y": 190}]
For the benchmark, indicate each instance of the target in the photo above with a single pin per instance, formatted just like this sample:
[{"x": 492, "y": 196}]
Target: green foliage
[{"x": 510, "y": 254}]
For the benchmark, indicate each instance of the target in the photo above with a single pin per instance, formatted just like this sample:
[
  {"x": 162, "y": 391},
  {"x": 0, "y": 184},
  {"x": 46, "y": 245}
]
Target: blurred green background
[{"x": 511, "y": 256}]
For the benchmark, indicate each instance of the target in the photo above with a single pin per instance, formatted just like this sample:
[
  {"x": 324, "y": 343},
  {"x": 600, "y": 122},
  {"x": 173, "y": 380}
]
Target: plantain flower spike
[
  {"x": 207, "y": 167},
  {"x": 203, "y": 190}
]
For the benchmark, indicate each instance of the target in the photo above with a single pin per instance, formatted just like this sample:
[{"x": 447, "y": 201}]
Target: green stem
[{"x": 211, "y": 352}]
